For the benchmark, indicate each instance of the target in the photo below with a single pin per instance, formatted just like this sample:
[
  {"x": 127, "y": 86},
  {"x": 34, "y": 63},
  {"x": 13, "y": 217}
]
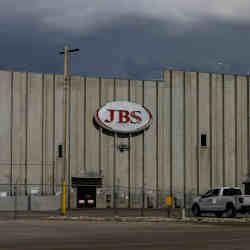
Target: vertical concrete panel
[
  {"x": 244, "y": 135},
  {"x": 5, "y": 128},
  {"x": 248, "y": 125},
  {"x": 132, "y": 96},
  {"x": 122, "y": 157},
  {"x": 107, "y": 90},
  {"x": 177, "y": 136},
  {"x": 137, "y": 150},
  {"x": 241, "y": 130},
  {"x": 59, "y": 125},
  {"x": 229, "y": 129},
  {"x": 92, "y": 146},
  {"x": 204, "y": 128},
  {"x": 150, "y": 143},
  {"x": 19, "y": 127},
  {"x": 49, "y": 152},
  {"x": 35, "y": 129},
  {"x": 190, "y": 136},
  {"x": 77, "y": 126},
  {"x": 164, "y": 142},
  {"x": 217, "y": 130}
]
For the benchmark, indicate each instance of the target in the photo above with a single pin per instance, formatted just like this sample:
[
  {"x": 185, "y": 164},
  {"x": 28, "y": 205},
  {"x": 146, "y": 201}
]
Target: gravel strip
[
  {"x": 114, "y": 219},
  {"x": 209, "y": 220}
]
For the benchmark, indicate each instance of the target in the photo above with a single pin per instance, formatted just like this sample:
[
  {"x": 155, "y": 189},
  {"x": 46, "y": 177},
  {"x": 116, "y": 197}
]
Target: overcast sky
[{"x": 126, "y": 38}]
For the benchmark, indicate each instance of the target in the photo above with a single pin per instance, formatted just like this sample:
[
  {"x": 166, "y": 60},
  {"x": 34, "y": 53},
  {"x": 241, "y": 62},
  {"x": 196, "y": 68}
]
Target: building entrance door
[
  {"x": 86, "y": 196},
  {"x": 86, "y": 190}
]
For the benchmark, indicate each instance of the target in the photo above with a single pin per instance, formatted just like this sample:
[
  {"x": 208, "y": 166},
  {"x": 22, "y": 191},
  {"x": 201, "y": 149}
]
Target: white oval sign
[{"x": 123, "y": 117}]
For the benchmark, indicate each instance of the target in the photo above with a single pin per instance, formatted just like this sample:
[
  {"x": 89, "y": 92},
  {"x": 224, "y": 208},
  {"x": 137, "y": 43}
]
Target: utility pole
[{"x": 66, "y": 54}]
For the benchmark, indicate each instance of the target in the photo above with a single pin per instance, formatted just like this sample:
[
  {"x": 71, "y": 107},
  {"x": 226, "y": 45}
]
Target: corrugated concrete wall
[
  {"x": 166, "y": 159},
  {"x": 45, "y": 203},
  {"x": 18, "y": 203},
  {"x": 33, "y": 203}
]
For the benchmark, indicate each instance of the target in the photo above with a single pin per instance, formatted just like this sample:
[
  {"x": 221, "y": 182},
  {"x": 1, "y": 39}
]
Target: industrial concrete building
[{"x": 198, "y": 137}]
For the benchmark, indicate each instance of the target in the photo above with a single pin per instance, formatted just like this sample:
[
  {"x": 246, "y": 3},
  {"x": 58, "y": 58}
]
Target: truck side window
[
  {"x": 216, "y": 192},
  {"x": 231, "y": 192},
  {"x": 235, "y": 191},
  {"x": 226, "y": 192}
]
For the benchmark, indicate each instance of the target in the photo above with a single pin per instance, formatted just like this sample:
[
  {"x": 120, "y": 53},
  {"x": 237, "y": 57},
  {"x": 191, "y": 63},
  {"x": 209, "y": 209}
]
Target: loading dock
[
  {"x": 86, "y": 197},
  {"x": 86, "y": 191}
]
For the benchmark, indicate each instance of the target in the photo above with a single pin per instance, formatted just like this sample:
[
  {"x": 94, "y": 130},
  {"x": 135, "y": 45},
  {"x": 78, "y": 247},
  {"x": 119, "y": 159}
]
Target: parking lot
[{"x": 43, "y": 234}]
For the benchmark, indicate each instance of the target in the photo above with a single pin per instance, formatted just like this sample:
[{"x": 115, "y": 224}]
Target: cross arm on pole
[{"x": 70, "y": 51}]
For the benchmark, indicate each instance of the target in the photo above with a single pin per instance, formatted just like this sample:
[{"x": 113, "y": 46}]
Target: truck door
[
  {"x": 215, "y": 202},
  {"x": 206, "y": 201},
  {"x": 209, "y": 200}
]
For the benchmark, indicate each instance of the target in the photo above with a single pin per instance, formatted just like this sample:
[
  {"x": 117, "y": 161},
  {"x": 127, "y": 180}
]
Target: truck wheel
[
  {"x": 243, "y": 211},
  {"x": 230, "y": 211},
  {"x": 218, "y": 214},
  {"x": 196, "y": 210}
]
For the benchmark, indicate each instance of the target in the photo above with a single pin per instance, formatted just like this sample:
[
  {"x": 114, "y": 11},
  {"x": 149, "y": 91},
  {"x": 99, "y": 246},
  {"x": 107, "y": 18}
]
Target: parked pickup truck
[{"x": 228, "y": 200}]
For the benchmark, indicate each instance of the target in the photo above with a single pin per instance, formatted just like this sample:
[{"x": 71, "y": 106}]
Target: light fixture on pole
[{"x": 66, "y": 54}]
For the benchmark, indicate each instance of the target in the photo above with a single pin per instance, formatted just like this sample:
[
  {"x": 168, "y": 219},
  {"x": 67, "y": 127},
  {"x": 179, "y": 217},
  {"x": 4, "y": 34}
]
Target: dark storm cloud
[
  {"x": 122, "y": 41},
  {"x": 147, "y": 45}
]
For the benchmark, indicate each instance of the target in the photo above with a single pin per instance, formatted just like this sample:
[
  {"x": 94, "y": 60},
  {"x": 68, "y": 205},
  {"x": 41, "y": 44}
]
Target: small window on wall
[
  {"x": 203, "y": 140},
  {"x": 60, "y": 151}
]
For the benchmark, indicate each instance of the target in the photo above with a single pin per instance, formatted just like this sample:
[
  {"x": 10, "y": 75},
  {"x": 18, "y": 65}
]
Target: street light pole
[
  {"x": 66, "y": 54},
  {"x": 66, "y": 77}
]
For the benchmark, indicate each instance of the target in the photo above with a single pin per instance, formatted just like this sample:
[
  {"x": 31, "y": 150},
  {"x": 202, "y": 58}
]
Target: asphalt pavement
[{"x": 71, "y": 235}]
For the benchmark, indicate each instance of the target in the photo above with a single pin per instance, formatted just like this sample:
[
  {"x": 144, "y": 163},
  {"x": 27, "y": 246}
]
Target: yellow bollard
[
  {"x": 168, "y": 201},
  {"x": 63, "y": 205}
]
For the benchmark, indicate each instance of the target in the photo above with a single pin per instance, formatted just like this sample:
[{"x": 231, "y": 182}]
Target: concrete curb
[
  {"x": 204, "y": 220},
  {"x": 218, "y": 220},
  {"x": 113, "y": 219}
]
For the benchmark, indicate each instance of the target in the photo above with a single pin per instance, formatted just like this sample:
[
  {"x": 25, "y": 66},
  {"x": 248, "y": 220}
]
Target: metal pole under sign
[{"x": 63, "y": 206}]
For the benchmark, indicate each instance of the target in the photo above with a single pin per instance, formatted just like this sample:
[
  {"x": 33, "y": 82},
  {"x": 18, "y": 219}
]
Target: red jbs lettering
[{"x": 124, "y": 116}]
